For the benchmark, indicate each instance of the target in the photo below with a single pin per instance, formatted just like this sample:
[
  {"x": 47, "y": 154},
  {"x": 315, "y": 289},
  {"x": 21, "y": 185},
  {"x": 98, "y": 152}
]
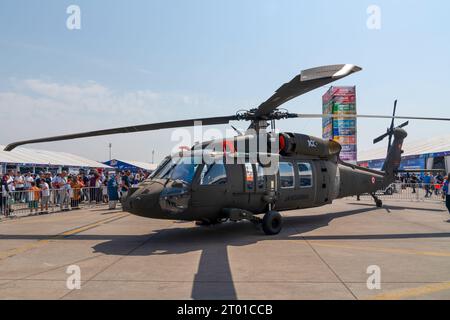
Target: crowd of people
[
  {"x": 432, "y": 184},
  {"x": 65, "y": 190}
]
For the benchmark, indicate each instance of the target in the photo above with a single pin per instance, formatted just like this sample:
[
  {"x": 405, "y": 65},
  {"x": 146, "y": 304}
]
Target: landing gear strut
[
  {"x": 377, "y": 200},
  {"x": 271, "y": 223}
]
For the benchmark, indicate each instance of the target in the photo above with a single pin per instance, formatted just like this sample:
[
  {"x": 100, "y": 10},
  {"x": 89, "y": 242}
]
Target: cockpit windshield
[{"x": 178, "y": 169}]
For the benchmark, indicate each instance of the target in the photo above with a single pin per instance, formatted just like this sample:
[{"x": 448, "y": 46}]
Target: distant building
[
  {"x": 133, "y": 166},
  {"x": 432, "y": 153},
  {"x": 33, "y": 160}
]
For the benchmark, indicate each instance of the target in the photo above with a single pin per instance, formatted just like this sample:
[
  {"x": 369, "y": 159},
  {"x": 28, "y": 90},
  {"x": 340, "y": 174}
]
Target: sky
[{"x": 137, "y": 62}]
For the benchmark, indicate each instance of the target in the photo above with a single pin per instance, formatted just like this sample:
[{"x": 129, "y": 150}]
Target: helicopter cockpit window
[
  {"x": 305, "y": 174},
  {"x": 213, "y": 174},
  {"x": 162, "y": 171},
  {"x": 286, "y": 175},
  {"x": 183, "y": 169}
]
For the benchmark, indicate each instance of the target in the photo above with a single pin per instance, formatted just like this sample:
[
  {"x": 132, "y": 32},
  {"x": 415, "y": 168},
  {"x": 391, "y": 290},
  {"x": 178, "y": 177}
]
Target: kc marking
[{"x": 312, "y": 143}]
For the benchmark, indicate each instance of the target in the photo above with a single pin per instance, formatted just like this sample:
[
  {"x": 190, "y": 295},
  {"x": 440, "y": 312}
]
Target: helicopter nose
[{"x": 144, "y": 202}]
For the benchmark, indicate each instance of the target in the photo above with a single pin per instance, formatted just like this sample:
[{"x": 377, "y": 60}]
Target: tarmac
[{"x": 330, "y": 252}]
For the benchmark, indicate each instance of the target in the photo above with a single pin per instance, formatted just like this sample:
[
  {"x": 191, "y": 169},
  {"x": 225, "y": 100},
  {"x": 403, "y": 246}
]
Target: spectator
[
  {"x": 34, "y": 196},
  {"x": 57, "y": 183},
  {"x": 447, "y": 191},
  {"x": 125, "y": 184},
  {"x": 105, "y": 190},
  {"x": 45, "y": 195},
  {"x": 427, "y": 180},
  {"x": 65, "y": 192},
  {"x": 413, "y": 181},
  {"x": 113, "y": 193},
  {"x": 19, "y": 183},
  {"x": 28, "y": 180},
  {"x": 76, "y": 192},
  {"x": 4, "y": 206}
]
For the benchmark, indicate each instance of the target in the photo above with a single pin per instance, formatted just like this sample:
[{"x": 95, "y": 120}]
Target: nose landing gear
[{"x": 272, "y": 223}]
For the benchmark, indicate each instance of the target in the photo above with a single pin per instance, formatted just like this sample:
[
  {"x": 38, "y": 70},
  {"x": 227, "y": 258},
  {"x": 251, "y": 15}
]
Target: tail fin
[{"x": 393, "y": 159}]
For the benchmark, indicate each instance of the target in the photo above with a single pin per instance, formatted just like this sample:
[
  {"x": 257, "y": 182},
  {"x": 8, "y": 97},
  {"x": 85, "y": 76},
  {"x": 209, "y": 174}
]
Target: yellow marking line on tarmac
[
  {"x": 384, "y": 250},
  {"x": 413, "y": 292},
  {"x": 65, "y": 234}
]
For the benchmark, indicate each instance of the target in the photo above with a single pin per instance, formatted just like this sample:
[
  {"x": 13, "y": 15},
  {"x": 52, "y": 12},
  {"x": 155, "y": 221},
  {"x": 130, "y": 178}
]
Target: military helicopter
[{"x": 298, "y": 171}]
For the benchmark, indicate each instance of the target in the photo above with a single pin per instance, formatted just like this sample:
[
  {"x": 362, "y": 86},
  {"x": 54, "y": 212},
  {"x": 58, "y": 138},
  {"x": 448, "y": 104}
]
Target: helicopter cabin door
[{"x": 212, "y": 186}]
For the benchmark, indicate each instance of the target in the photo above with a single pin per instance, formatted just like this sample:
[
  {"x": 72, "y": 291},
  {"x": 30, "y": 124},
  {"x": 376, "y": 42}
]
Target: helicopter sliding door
[
  {"x": 288, "y": 198},
  {"x": 296, "y": 185},
  {"x": 306, "y": 183}
]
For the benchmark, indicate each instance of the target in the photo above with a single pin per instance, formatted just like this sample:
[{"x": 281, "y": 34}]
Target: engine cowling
[{"x": 301, "y": 144}]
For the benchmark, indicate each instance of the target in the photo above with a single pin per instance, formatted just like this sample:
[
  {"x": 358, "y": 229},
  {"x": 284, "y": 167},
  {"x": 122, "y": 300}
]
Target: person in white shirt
[
  {"x": 28, "y": 179},
  {"x": 45, "y": 195},
  {"x": 65, "y": 192},
  {"x": 19, "y": 183},
  {"x": 10, "y": 183}
]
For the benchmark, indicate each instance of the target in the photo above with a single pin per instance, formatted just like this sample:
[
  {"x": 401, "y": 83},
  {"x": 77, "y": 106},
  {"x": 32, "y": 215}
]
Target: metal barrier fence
[
  {"x": 27, "y": 202},
  {"x": 410, "y": 192}
]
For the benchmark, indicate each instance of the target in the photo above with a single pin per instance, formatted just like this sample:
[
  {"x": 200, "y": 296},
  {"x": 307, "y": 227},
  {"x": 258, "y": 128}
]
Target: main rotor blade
[
  {"x": 130, "y": 129},
  {"x": 354, "y": 116},
  {"x": 306, "y": 81}
]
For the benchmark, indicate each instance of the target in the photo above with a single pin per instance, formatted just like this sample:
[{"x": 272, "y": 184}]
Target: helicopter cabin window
[
  {"x": 286, "y": 175},
  {"x": 305, "y": 174},
  {"x": 213, "y": 174},
  {"x": 249, "y": 177},
  {"x": 261, "y": 177}
]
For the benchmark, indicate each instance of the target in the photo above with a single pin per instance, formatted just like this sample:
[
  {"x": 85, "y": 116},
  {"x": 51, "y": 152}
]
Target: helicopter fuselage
[{"x": 215, "y": 192}]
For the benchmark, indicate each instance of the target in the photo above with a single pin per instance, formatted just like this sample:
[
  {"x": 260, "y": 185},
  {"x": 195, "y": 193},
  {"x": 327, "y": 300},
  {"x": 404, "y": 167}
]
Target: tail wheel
[
  {"x": 379, "y": 203},
  {"x": 272, "y": 223}
]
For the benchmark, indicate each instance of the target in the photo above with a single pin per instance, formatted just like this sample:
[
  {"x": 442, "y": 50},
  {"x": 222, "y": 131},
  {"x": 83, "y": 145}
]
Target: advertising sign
[{"x": 341, "y": 101}]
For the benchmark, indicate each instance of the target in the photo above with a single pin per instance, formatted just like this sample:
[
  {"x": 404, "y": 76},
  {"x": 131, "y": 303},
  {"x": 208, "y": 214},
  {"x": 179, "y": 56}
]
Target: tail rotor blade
[
  {"x": 380, "y": 138},
  {"x": 404, "y": 124},
  {"x": 392, "y": 124}
]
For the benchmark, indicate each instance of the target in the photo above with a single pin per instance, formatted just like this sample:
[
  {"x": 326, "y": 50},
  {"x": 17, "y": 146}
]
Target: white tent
[
  {"x": 41, "y": 158},
  {"x": 142, "y": 165}
]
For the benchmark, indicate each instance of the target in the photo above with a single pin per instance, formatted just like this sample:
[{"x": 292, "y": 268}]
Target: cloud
[
  {"x": 36, "y": 96},
  {"x": 59, "y": 91},
  {"x": 36, "y": 108}
]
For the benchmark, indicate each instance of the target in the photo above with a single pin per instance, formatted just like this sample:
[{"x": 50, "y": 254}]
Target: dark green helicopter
[{"x": 257, "y": 172}]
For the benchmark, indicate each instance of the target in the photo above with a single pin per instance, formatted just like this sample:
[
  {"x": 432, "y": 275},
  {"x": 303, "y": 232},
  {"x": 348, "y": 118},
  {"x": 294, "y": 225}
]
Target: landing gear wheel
[
  {"x": 379, "y": 203},
  {"x": 272, "y": 223}
]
